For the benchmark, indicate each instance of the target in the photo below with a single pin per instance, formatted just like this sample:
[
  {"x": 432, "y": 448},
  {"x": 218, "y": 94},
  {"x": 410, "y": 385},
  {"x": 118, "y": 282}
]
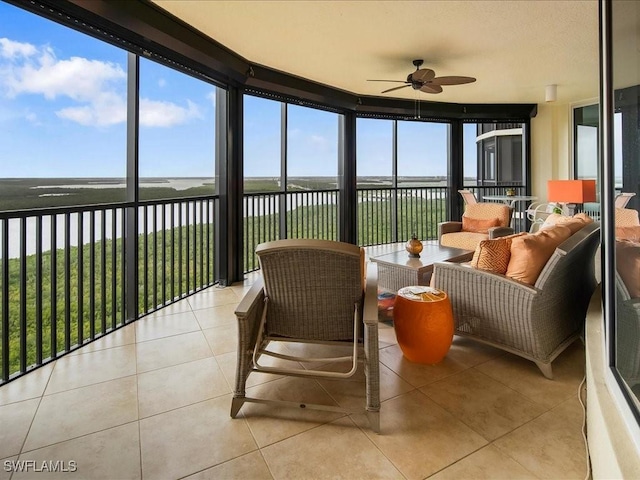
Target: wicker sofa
[{"x": 536, "y": 321}]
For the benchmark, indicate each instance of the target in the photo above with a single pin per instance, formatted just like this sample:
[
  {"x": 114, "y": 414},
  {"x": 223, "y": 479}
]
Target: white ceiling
[{"x": 513, "y": 48}]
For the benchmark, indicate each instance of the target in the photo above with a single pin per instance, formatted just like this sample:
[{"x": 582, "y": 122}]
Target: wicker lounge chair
[
  {"x": 314, "y": 292},
  {"x": 536, "y": 322}
]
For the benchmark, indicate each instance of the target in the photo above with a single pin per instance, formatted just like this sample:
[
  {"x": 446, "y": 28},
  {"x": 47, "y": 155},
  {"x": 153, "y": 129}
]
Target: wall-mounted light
[{"x": 551, "y": 93}]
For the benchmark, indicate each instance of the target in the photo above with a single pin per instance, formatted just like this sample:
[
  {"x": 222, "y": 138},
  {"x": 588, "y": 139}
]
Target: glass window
[
  {"x": 262, "y": 140},
  {"x": 626, "y": 161},
  {"x": 177, "y": 134},
  {"x": 374, "y": 149},
  {"x": 422, "y": 154},
  {"x": 470, "y": 154},
  {"x": 312, "y": 149},
  {"x": 62, "y": 115}
]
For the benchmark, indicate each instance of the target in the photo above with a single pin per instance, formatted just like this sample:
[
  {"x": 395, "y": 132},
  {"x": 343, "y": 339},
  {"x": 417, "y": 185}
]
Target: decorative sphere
[{"x": 414, "y": 247}]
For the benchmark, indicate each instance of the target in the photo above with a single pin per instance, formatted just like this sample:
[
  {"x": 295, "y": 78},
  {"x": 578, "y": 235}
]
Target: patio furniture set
[{"x": 524, "y": 293}]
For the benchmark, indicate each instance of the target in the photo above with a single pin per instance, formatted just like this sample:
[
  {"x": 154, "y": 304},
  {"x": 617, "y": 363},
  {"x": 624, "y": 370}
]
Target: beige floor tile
[
  {"x": 524, "y": 377},
  {"x": 351, "y": 394},
  {"x": 193, "y": 438},
  {"x": 228, "y": 361},
  {"x": 15, "y": 419},
  {"x": 420, "y": 437},
  {"x": 91, "y": 368},
  {"x": 122, "y": 336},
  {"x": 165, "y": 326},
  {"x": 172, "y": 387},
  {"x": 177, "y": 307},
  {"x": 216, "y": 316},
  {"x": 472, "y": 353},
  {"x": 27, "y": 386},
  {"x": 272, "y": 423},
  {"x": 84, "y": 410},
  {"x": 415, "y": 373},
  {"x": 488, "y": 462},
  {"x": 213, "y": 297},
  {"x": 222, "y": 339},
  {"x": 487, "y": 406},
  {"x": 169, "y": 351},
  {"x": 250, "y": 466},
  {"x": 386, "y": 335},
  {"x": 551, "y": 446},
  {"x": 109, "y": 454},
  {"x": 336, "y": 450}
]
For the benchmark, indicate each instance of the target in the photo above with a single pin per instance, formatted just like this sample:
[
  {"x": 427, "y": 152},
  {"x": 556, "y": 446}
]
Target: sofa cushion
[
  {"x": 479, "y": 225},
  {"x": 494, "y": 255},
  {"x": 530, "y": 253},
  {"x": 574, "y": 223},
  {"x": 465, "y": 240},
  {"x": 488, "y": 210},
  {"x": 628, "y": 233},
  {"x": 626, "y": 217},
  {"x": 628, "y": 265}
]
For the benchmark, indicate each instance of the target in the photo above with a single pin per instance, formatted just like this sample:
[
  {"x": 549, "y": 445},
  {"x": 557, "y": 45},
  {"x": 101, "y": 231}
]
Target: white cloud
[
  {"x": 10, "y": 49},
  {"x": 98, "y": 88},
  {"x": 318, "y": 140},
  {"x": 166, "y": 114}
]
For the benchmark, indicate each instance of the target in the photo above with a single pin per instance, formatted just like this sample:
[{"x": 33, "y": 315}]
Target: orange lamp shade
[
  {"x": 424, "y": 328},
  {"x": 571, "y": 191}
]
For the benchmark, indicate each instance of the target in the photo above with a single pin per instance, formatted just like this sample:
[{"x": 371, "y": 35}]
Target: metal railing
[
  {"x": 308, "y": 214},
  {"x": 65, "y": 278},
  {"x": 388, "y": 215}
]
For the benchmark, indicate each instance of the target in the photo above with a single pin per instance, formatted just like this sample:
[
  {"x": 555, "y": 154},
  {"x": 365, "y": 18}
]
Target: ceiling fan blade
[
  {"x": 453, "y": 80},
  {"x": 395, "y": 88},
  {"x": 423, "y": 75},
  {"x": 394, "y": 81},
  {"x": 431, "y": 88}
]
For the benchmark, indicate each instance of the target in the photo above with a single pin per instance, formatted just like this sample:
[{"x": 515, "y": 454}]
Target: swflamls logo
[{"x": 60, "y": 466}]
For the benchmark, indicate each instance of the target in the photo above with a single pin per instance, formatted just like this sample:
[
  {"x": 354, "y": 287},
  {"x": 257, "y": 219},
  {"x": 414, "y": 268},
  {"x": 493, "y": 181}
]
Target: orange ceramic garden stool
[{"x": 423, "y": 321}]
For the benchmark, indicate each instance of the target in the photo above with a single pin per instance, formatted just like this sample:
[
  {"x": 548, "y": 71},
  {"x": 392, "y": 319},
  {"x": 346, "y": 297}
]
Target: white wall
[{"x": 550, "y": 147}]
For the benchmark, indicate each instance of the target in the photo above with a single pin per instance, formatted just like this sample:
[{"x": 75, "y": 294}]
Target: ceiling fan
[{"x": 425, "y": 80}]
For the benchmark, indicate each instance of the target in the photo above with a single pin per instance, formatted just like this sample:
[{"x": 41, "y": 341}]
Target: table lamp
[{"x": 570, "y": 192}]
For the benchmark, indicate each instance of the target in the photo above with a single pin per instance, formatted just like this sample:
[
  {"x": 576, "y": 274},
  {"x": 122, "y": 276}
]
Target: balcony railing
[
  {"x": 71, "y": 275},
  {"x": 68, "y": 274},
  {"x": 388, "y": 215}
]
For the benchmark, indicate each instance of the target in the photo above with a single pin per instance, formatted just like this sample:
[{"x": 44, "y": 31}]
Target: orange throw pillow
[
  {"x": 479, "y": 225},
  {"x": 628, "y": 233},
  {"x": 628, "y": 266},
  {"x": 530, "y": 253},
  {"x": 493, "y": 255}
]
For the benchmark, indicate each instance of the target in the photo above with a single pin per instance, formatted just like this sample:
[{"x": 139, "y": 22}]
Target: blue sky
[{"x": 63, "y": 114}]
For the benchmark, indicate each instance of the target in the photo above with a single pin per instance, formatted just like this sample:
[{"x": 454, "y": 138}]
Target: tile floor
[{"x": 152, "y": 401}]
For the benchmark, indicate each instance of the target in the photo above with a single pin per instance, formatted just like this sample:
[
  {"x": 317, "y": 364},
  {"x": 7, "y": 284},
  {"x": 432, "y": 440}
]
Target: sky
[{"x": 63, "y": 114}]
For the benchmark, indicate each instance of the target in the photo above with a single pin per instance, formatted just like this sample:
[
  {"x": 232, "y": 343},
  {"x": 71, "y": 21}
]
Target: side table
[{"x": 423, "y": 322}]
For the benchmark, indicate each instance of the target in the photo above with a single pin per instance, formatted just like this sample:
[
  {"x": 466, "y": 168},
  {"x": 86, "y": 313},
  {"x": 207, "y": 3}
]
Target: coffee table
[{"x": 397, "y": 269}]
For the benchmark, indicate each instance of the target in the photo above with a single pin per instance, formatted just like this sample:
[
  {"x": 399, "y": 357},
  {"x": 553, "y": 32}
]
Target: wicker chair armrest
[
  {"x": 449, "y": 227},
  {"x": 249, "y": 314},
  {"x": 370, "y": 314},
  {"x": 495, "y": 232}
]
